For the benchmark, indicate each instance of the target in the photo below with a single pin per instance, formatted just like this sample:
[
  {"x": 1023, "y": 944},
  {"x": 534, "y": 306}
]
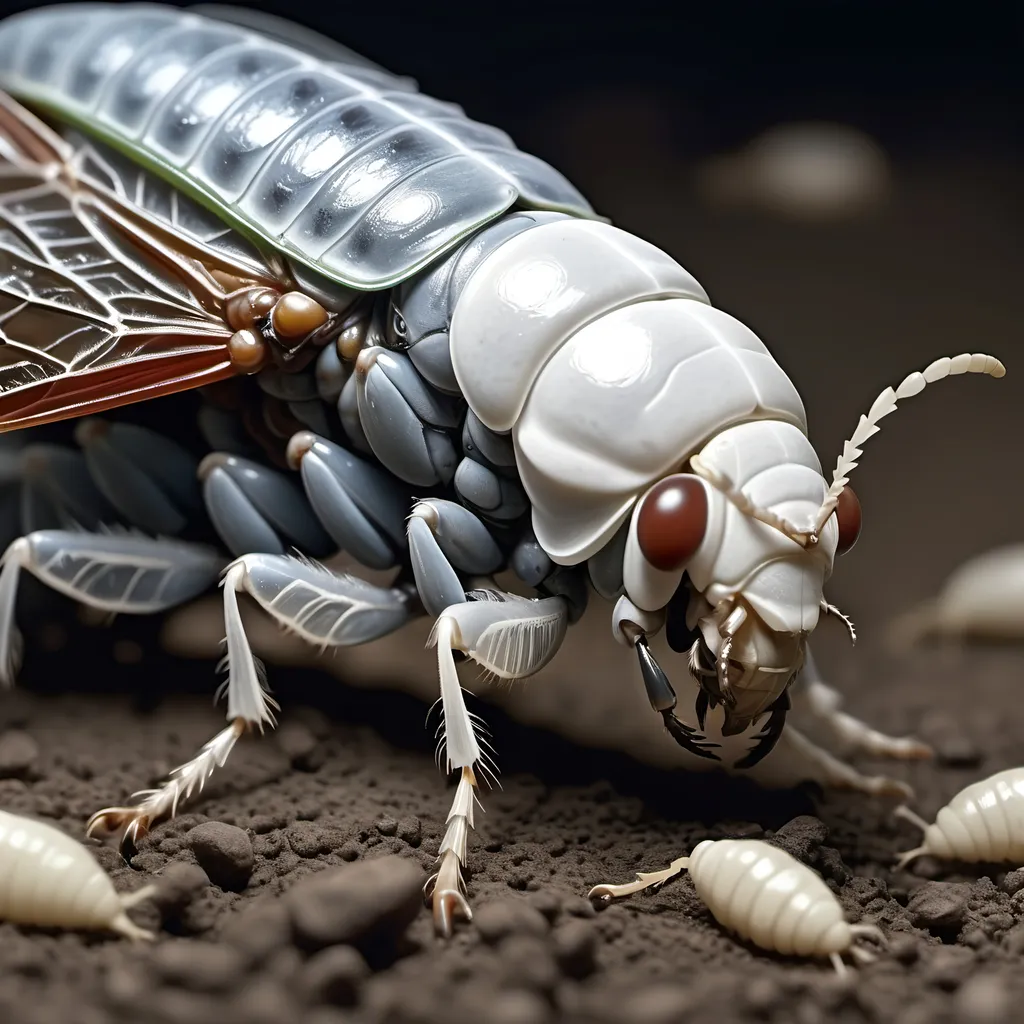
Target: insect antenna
[{"x": 884, "y": 404}]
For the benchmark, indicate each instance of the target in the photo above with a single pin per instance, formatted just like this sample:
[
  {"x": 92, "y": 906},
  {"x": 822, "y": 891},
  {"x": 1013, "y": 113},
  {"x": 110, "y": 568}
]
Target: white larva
[
  {"x": 765, "y": 896},
  {"x": 983, "y": 598},
  {"x": 983, "y": 823},
  {"x": 49, "y": 880}
]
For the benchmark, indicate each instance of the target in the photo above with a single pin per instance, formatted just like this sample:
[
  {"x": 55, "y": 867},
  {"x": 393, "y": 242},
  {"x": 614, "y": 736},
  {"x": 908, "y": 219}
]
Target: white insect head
[
  {"x": 732, "y": 616},
  {"x": 885, "y": 403}
]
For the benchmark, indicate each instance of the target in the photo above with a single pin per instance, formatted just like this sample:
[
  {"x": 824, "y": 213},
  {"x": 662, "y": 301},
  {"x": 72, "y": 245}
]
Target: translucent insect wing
[
  {"x": 338, "y": 166},
  {"x": 88, "y": 319}
]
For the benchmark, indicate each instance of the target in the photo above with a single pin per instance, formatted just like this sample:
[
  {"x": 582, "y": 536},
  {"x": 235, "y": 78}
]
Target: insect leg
[
  {"x": 796, "y": 759},
  {"x": 255, "y": 508},
  {"x": 113, "y": 572},
  {"x": 147, "y": 478},
  {"x": 644, "y": 880},
  {"x": 816, "y": 708},
  {"x": 511, "y": 637},
  {"x": 361, "y": 506},
  {"x": 320, "y": 606}
]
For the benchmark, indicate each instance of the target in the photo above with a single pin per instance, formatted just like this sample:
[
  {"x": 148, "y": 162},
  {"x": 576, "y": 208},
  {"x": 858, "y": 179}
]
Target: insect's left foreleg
[
  {"x": 322, "y": 607},
  {"x": 816, "y": 708}
]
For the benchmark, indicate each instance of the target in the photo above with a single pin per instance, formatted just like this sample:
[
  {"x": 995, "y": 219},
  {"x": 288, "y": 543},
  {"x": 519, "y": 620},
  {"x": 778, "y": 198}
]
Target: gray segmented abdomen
[{"x": 340, "y": 167}]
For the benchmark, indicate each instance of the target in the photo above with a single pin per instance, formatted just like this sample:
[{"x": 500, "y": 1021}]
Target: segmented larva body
[
  {"x": 983, "y": 823},
  {"x": 49, "y": 880},
  {"x": 763, "y": 895},
  {"x": 768, "y": 897}
]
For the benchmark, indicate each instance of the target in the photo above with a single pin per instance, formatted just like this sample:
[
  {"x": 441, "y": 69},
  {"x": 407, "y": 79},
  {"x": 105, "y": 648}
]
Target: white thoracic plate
[
  {"x": 537, "y": 289},
  {"x": 773, "y": 464},
  {"x": 628, "y": 399}
]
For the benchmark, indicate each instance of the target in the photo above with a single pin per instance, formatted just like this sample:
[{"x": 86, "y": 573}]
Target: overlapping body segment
[{"x": 342, "y": 167}]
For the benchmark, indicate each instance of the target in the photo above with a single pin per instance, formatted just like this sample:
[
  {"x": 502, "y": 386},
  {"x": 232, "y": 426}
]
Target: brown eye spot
[
  {"x": 848, "y": 518},
  {"x": 297, "y": 315},
  {"x": 672, "y": 521}
]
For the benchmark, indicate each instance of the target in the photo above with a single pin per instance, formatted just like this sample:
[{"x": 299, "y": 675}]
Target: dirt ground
[{"x": 589, "y": 793}]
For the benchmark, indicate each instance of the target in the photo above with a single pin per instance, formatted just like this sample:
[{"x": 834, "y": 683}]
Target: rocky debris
[
  {"x": 19, "y": 753},
  {"x": 361, "y": 904},
  {"x": 939, "y": 907},
  {"x": 801, "y": 837},
  {"x": 259, "y": 929},
  {"x": 224, "y": 852},
  {"x": 501, "y": 918},
  {"x": 178, "y": 885},
  {"x": 300, "y": 745},
  {"x": 575, "y": 944},
  {"x": 334, "y": 975},
  {"x": 197, "y": 965}
]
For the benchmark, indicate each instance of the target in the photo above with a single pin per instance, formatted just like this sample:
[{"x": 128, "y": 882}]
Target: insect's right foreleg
[
  {"x": 817, "y": 708},
  {"x": 509, "y": 636},
  {"x": 796, "y": 759}
]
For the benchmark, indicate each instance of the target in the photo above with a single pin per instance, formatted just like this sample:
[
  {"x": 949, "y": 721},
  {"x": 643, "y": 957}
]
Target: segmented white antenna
[{"x": 884, "y": 404}]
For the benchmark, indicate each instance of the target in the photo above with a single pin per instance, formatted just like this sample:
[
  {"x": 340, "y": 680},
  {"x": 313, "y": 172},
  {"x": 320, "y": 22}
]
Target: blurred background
[{"x": 843, "y": 177}]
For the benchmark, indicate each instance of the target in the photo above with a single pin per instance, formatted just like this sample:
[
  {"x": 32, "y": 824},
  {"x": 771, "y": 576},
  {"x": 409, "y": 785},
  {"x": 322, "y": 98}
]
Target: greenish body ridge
[{"x": 340, "y": 166}]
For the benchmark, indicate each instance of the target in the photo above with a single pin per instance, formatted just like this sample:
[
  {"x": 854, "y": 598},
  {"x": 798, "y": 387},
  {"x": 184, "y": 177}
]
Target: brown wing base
[{"x": 98, "y": 308}]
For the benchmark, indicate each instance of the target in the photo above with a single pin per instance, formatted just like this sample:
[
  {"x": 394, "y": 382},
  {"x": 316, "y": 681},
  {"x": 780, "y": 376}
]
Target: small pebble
[
  {"x": 387, "y": 826},
  {"x": 410, "y": 830},
  {"x": 1013, "y": 882},
  {"x": 307, "y": 839},
  {"x": 546, "y": 901},
  {"x": 259, "y": 929},
  {"x": 224, "y": 852},
  {"x": 983, "y": 999},
  {"x": 358, "y": 904},
  {"x": 178, "y": 885},
  {"x": 939, "y": 906},
  {"x": 579, "y": 906},
  {"x": 18, "y": 754},
  {"x": 526, "y": 962},
  {"x": 801, "y": 837},
  {"x": 904, "y": 948},
  {"x": 334, "y": 975},
  {"x": 575, "y": 945},
  {"x": 501, "y": 918},
  {"x": 198, "y": 966},
  {"x": 300, "y": 746}
]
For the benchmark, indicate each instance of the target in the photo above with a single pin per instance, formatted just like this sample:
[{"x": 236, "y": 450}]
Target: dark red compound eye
[
  {"x": 849, "y": 518},
  {"x": 672, "y": 521}
]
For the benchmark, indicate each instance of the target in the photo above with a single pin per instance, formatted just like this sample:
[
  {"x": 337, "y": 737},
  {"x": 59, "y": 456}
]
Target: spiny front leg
[
  {"x": 249, "y": 707},
  {"x": 816, "y": 708},
  {"x": 322, "y": 607},
  {"x": 512, "y": 637}
]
